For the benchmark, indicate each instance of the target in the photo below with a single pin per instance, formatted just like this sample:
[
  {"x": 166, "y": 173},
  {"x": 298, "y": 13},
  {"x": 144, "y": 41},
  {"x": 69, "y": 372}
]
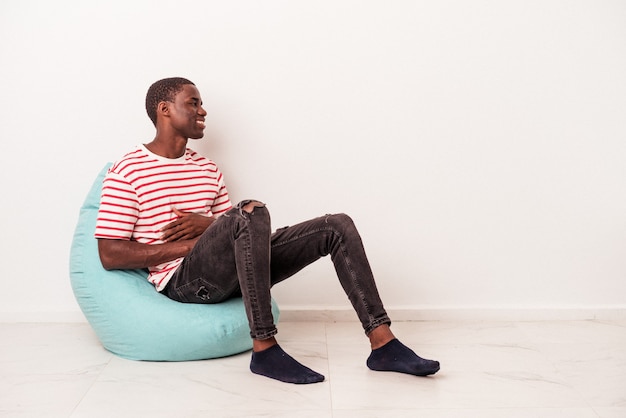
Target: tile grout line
[{"x": 94, "y": 381}]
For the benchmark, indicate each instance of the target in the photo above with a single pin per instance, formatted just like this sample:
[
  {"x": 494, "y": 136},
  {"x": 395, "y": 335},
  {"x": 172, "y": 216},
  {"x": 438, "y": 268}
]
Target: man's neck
[{"x": 168, "y": 148}]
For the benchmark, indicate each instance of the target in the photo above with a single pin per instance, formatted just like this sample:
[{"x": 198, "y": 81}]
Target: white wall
[{"x": 479, "y": 145}]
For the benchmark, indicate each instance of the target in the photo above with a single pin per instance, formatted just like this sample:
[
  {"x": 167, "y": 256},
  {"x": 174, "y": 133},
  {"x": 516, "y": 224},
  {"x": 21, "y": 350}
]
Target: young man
[{"x": 166, "y": 208}]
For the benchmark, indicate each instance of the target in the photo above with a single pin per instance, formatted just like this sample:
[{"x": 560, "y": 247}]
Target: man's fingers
[{"x": 178, "y": 212}]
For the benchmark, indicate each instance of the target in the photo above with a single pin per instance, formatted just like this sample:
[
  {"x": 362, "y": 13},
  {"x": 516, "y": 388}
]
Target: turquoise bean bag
[{"x": 133, "y": 320}]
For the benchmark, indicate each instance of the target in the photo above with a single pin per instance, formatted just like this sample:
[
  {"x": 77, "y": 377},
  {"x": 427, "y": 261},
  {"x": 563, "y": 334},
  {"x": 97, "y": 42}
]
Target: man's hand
[{"x": 189, "y": 225}]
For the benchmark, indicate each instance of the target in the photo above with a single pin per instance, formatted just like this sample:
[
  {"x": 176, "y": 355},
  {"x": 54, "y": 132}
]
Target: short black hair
[{"x": 163, "y": 91}]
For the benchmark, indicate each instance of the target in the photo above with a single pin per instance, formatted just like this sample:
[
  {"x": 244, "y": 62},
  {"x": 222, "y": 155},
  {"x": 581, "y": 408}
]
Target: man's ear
[{"x": 163, "y": 108}]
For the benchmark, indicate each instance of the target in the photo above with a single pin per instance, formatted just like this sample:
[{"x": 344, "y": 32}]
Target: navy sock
[
  {"x": 276, "y": 364},
  {"x": 396, "y": 357}
]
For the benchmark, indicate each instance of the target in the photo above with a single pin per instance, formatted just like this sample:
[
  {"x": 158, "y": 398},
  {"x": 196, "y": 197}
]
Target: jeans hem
[
  {"x": 265, "y": 335},
  {"x": 371, "y": 327}
]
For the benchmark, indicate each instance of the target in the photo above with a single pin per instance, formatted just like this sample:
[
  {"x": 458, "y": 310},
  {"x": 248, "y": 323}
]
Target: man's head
[{"x": 163, "y": 91}]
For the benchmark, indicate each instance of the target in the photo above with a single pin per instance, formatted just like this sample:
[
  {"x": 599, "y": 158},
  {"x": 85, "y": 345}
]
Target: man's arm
[
  {"x": 121, "y": 254},
  {"x": 180, "y": 236}
]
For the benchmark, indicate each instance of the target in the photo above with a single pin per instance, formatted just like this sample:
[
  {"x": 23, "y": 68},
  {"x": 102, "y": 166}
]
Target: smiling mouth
[{"x": 201, "y": 123}]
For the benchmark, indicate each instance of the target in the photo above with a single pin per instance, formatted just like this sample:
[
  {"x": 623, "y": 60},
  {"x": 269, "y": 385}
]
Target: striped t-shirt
[{"x": 140, "y": 190}]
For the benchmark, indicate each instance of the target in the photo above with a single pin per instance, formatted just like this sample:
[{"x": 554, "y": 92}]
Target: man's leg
[
  {"x": 232, "y": 256},
  {"x": 295, "y": 247}
]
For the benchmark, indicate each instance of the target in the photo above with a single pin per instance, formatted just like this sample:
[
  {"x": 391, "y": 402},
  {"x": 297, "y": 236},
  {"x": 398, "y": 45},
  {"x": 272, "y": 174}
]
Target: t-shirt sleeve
[
  {"x": 119, "y": 208},
  {"x": 221, "y": 203}
]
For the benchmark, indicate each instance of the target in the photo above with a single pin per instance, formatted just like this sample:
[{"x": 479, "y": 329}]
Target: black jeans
[{"x": 238, "y": 255}]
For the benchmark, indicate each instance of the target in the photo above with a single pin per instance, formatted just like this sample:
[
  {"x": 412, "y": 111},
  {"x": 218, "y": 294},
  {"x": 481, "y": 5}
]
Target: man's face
[{"x": 186, "y": 113}]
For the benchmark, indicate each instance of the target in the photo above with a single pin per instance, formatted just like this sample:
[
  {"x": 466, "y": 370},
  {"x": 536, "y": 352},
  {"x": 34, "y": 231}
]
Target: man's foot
[
  {"x": 276, "y": 364},
  {"x": 396, "y": 357}
]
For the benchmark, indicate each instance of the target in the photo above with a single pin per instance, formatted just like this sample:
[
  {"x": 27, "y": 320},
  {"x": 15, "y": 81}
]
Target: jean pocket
[{"x": 199, "y": 291}]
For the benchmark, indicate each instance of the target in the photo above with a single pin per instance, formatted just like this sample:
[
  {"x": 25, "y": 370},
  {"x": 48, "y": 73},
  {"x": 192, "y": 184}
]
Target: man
[{"x": 166, "y": 208}]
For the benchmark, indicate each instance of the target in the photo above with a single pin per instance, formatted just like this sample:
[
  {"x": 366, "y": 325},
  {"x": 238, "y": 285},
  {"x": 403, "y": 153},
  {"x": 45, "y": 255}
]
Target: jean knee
[
  {"x": 249, "y": 205},
  {"x": 340, "y": 222}
]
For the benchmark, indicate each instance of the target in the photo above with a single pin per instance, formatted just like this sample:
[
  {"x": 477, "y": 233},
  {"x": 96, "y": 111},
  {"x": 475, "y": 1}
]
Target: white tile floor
[{"x": 489, "y": 369}]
